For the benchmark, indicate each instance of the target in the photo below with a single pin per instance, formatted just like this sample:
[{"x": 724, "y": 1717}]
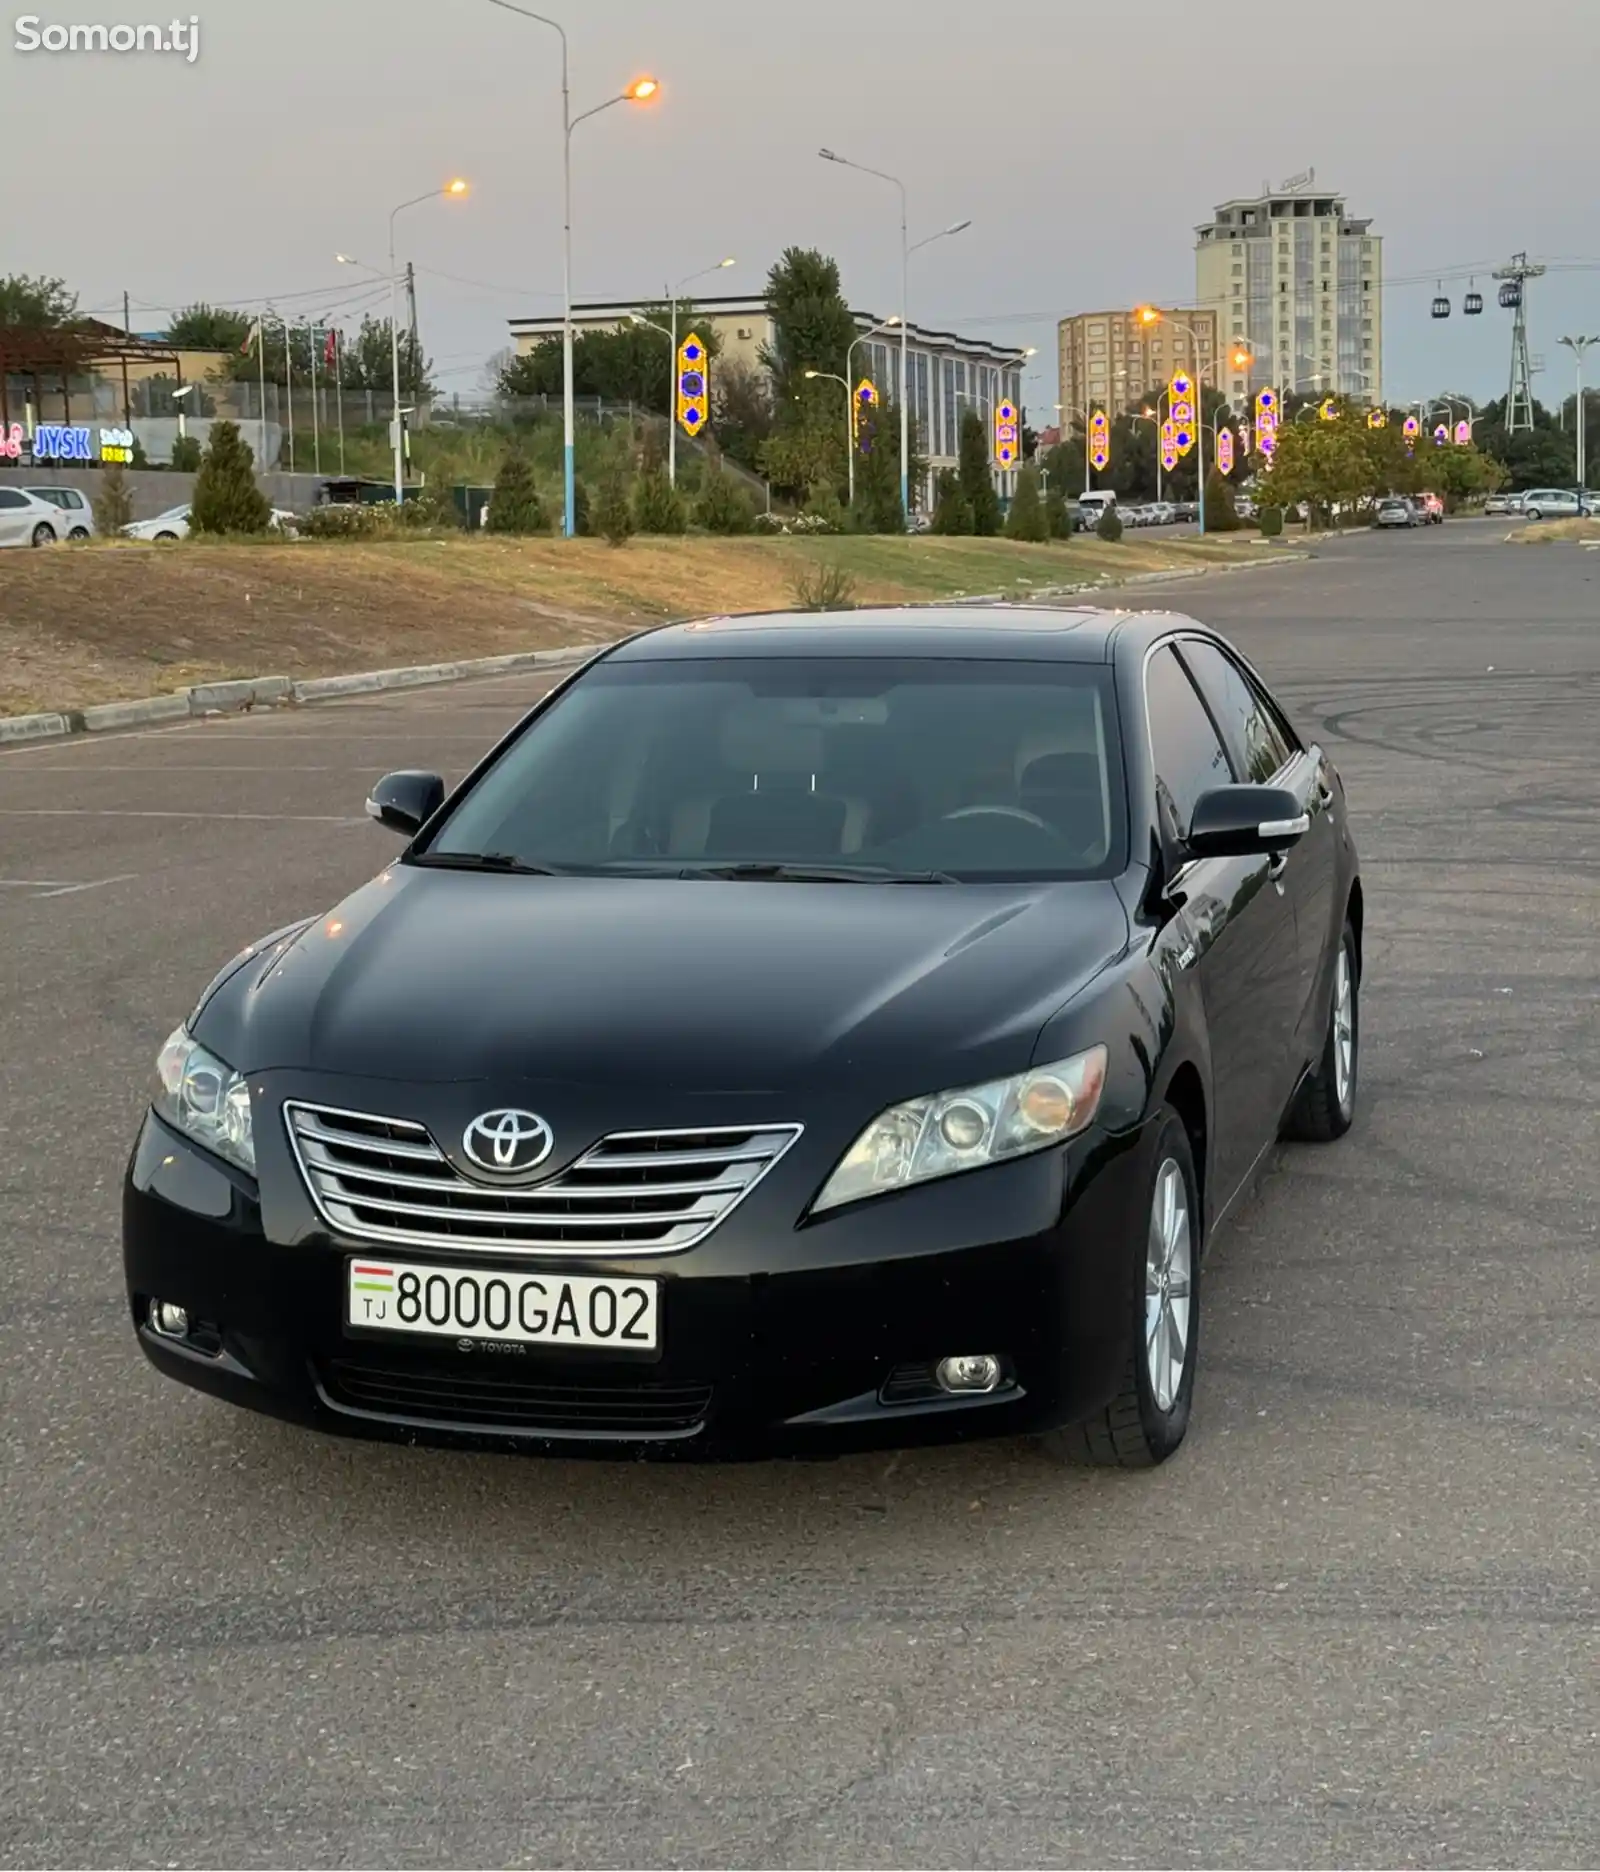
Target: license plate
[{"x": 527, "y": 1309}]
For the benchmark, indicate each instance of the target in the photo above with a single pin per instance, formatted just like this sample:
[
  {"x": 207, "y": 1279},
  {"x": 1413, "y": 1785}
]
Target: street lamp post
[
  {"x": 452, "y": 191},
  {"x": 906, "y": 251},
  {"x": 1577, "y": 346},
  {"x": 850, "y": 399},
  {"x": 1150, "y": 315},
  {"x": 672, "y": 362},
  {"x": 639, "y": 92}
]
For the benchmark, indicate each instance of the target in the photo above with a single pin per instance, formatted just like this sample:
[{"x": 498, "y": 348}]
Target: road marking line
[
  {"x": 129, "y": 812},
  {"x": 55, "y": 887}
]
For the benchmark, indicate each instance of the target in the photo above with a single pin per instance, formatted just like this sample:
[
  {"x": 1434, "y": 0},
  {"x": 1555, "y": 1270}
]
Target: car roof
[{"x": 1003, "y": 632}]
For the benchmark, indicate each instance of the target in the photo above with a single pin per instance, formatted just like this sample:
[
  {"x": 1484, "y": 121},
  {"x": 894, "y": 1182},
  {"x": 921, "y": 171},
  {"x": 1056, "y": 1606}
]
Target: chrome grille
[{"x": 635, "y": 1192}]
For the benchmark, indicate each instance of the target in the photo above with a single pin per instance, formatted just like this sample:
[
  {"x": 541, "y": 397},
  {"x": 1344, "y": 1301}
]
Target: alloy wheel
[
  {"x": 1344, "y": 1032},
  {"x": 1168, "y": 1285}
]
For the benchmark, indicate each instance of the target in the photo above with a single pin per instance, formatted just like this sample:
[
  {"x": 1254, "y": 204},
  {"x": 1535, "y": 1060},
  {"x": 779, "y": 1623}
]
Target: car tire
[
  {"x": 78, "y": 533},
  {"x": 44, "y": 534},
  {"x": 1532, "y": 513},
  {"x": 1326, "y": 1105},
  {"x": 162, "y": 538},
  {"x": 1145, "y": 1422}
]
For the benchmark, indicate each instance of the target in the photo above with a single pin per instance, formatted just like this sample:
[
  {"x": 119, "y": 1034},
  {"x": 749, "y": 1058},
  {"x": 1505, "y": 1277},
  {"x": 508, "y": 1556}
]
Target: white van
[{"x": 1091, "y": 506}]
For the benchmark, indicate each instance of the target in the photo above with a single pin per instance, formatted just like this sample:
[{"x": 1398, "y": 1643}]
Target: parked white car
[
  {"x": 1553, "y": 504},
  {"x": 75, "y": 506},
  {"x": 25, "y": 520},
  {"x": 174, "y": 524}
]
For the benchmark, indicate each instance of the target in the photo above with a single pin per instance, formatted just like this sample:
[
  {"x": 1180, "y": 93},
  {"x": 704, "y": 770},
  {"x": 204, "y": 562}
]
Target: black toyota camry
[{"x": 796, "y": 1035}]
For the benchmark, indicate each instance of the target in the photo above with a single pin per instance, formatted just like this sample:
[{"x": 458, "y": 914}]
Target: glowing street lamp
[
  {"x": 1148, "y": 315},
  {"x": 641, "y": 90}
]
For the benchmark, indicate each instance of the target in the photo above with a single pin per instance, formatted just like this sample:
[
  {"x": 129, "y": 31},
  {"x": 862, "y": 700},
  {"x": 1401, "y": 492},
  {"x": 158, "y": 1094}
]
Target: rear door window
[{"x": 1256, "y": 741}]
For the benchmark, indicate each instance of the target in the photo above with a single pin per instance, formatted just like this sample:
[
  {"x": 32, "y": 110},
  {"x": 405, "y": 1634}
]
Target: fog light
[
  {"x": 972, "y": 1371},
  {"x": 172, "y": 1322}
]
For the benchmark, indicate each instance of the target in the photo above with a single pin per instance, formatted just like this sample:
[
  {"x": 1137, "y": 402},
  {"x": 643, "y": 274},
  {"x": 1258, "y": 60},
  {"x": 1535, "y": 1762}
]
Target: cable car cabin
[
  {"x": 1441, "y": 307},
  {"x": 1472, "y": 304},
  {"x": 1511, "y": 295}
]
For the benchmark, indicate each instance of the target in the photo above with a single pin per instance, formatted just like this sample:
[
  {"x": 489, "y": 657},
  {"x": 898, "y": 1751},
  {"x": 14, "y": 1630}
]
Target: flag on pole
[
  {"x": 330, "y": 350},
  {"x": 251, "y": 339}
]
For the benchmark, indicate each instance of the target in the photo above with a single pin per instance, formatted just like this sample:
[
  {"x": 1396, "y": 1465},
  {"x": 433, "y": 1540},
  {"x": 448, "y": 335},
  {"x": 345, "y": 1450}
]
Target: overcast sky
[{"x": 1084, "y": 140}]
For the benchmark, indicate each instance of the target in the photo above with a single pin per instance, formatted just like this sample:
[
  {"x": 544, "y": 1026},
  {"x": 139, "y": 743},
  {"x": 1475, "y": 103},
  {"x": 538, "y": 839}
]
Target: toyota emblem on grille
[{"x": 508, "y": 1141}]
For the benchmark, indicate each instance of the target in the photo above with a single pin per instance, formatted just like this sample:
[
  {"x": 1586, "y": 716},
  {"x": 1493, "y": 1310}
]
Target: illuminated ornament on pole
[
  {"x": 1377, "y": 418},
  {"x": 693, "y": 398},
  {"x": 1099, "y": 440},
  {"x": 1463, "y": 433},
  {"x": 1411, "y": 428},
  {"x": 1005, "y": 435},
  {"x": 1169, "y": 446},
  {"x": 1180, "y": 399},
  {"x": 1267, "y": 422},
  {"x": 1328, "y": 410},
  {"x": 1225, "y": 451},
  {"x": 1441, "y": 434},
  {"x": 866, "y": 394}
]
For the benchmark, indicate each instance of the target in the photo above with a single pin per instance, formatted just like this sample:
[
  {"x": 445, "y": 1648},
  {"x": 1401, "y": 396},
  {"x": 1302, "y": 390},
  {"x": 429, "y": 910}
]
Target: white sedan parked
[
  {"x": 174, "y": 524},
  {"x": 25, "y": 520}
]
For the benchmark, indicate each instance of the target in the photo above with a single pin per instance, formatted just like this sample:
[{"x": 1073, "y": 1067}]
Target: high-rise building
[
  {"x": 1299, "y": 281},
  {"x": 1110, "y": 360}
]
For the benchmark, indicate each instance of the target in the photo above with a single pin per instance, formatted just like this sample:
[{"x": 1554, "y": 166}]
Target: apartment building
[{"x": 1109, "y": 360}]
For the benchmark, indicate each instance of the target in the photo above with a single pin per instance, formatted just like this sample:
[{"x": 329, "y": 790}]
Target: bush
[
  {"x": 1057, "y": 515},
  {"x": 1109, "y": 525},
  {"x": 515, "y": 507},
  {"x": 580, "y": 508},
  {"x": 823, "y": 588},
  {"x": 185, "y": 457},
  {"x": 113, "y": 501},
  {"x": 823, "y": 510},
  {"x": 657, "y": 504},
  {"x": 723, "y": 506},
  {"x": 1270, "y": 521},
  {"x": 613, "y": 517},
  {"x": 1221, "y": 514},
  {"x": 226, "y": 498},
  {"x": 952, "y": 514},
  {"x": 1025, "y": 519}
]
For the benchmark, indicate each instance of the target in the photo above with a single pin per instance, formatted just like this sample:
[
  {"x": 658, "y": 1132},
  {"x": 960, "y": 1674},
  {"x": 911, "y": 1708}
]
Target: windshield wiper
[
  {"x": 484, "y": 861},
  {"x": 817, "y": 874}
]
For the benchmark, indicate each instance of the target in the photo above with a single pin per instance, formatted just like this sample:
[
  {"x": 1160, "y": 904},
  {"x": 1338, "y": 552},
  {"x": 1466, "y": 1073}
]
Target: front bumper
[{"x": 775, "y": 1339}]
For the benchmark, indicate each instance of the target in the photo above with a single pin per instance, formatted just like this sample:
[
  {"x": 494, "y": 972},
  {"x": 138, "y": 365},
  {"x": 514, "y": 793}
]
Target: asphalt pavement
[{"x": 1352, "y": 1622}]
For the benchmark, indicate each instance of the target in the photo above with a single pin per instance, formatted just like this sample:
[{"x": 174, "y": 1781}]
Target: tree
[
  {"x": 1221, "y": 514},
  {"x": 723, "y": 506},
  {"x": 741, "y": 412},
  {"x": 185, "y": 456},
  {"x": 1324, "y": 464},
  {"x": 813, "y": 329},
  {"x": 1109, "y": 525},
  {"x": 1026, "y": 518},
  {"x": 973, "y": 473},
  {"x": 627, "y": 363},
  {"x": 226, "y": 498},
  {"x": 203, "y": 327},
  {"x": 877, "y": 507},
  {"x": 613, "y": 517},
  {"x": 366, "y": 361},
  {"x": 1058, "y": 520},
  {"x": 40, "y": 303},
  {"x": 515, "y": 507},
  {"x": 657, "y": 504},
  {"x": 113, "y": 501},
  {"x": 952, "y": 513}
]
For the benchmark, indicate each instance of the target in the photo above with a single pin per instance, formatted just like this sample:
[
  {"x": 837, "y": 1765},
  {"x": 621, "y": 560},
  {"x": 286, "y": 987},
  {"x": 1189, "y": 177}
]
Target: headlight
[
  {"x": 204, "y": 1099},
  {"x": 965, "y": 1129}
]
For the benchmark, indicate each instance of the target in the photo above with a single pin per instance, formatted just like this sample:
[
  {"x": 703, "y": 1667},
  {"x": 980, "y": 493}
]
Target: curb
[{"x": 238, "y": 697}]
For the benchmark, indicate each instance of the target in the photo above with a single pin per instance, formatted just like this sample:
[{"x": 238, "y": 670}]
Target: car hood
[{"x": 697, "y": 986}]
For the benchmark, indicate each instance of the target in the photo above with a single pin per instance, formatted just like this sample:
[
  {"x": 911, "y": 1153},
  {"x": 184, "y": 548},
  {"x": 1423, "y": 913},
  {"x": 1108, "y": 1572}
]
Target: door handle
[
  {"x": 1324, "y": 793},
  {"x": 1276, "y": 868}
]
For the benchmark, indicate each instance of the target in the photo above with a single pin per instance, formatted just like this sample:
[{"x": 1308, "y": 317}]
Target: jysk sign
[{"x": 52, "y": 442}]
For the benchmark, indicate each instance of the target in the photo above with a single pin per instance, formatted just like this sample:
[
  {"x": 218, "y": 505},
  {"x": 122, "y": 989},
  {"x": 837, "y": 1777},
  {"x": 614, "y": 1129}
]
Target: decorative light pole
[
  {"x": 672, "y": 361},
  {"x": 1577, "y": 346},
  {"x": 1240, "y": 360},
  {"x": 639, "y": 92}
]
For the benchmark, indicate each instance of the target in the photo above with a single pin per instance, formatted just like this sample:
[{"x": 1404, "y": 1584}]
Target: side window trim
[
  {"x": 1172, "y": 641},
  {"x": 1178, "y": 642},
  {"x": 1296, "y": 748}
]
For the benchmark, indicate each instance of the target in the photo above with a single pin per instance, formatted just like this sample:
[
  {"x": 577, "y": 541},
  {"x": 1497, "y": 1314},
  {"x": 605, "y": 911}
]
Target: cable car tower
[{"x": 1514, "y": 297}]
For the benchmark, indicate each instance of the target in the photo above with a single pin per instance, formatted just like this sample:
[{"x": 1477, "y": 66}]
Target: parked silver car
[
  {"x": 1396, "y": 511},
  {"x": 1553, "y": 504}
]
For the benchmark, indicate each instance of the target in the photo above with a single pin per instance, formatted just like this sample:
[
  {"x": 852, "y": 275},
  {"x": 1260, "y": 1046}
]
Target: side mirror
[
  {"x": 405, "y": 802},
  {"x": 1242, "y": 821}
]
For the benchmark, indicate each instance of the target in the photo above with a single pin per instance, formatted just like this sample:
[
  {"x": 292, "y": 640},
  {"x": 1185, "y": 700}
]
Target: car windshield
[{"x": 934, "y": 768}]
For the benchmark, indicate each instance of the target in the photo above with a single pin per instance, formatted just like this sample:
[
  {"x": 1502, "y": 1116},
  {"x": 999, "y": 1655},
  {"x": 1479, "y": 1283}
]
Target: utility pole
[
  {"x": 1577, "y": 346},
  {"x": 127, "y": 333},
  {"x": 411, "y": 301}
]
